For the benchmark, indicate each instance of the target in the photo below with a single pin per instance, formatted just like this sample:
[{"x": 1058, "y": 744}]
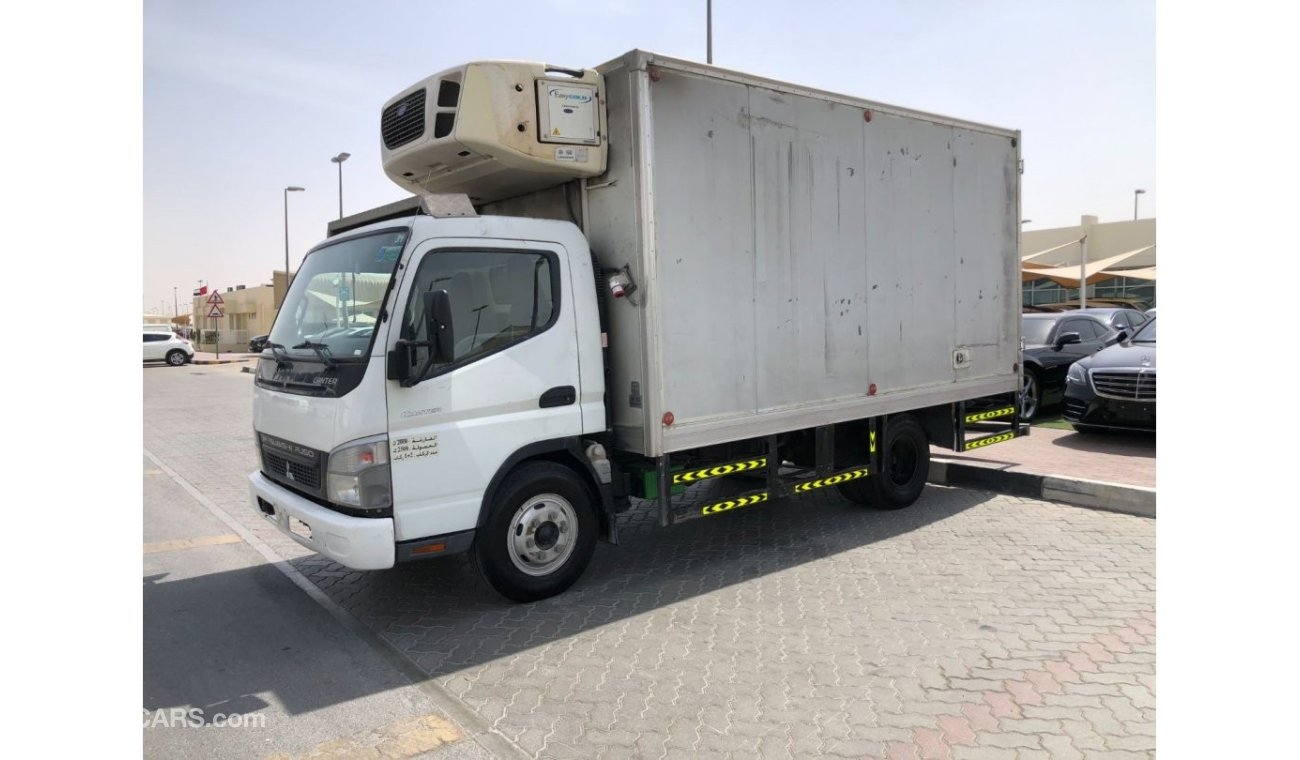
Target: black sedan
[
  {"x": 1115, "y": 388},
  {"x": 1053, "y": 342},
  {"x": 258, "y": 344},
  {"x": 1128, "y": 320}
]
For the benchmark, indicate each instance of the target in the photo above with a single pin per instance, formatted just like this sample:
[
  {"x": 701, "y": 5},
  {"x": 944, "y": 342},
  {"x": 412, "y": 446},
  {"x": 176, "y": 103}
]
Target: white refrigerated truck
[{"x": 616, "y": 283}]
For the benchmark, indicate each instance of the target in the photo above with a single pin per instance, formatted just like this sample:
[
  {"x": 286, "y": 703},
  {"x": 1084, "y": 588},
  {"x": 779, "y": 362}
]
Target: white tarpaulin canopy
[
  {"x": 1145, "y": 273},
  {"x": 1094, "y": 271},
  {"x": 1046, "y": 251}
]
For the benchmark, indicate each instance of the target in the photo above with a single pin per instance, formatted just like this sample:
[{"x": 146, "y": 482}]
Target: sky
[{"x": 242, "y": 99}]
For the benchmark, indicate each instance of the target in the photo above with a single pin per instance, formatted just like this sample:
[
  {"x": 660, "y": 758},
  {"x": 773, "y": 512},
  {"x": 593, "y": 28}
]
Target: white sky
[{"x": 244, "y": 98}]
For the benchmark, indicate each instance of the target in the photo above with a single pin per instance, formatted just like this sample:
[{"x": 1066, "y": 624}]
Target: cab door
[{"x": 513, "y": 379}]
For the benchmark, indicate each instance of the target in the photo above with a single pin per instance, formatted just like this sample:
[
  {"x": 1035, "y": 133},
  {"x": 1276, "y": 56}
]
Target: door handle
[{"x": 562, "y": 395}]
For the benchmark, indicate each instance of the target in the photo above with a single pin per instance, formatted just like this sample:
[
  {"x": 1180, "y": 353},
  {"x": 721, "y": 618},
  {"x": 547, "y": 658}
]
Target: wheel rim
[
  {"x": 1029, "y": 400},
  {"x": 176, "y": 359},
  {"x": 543, "y": 534},
  {"x": 902, "y": 462}
]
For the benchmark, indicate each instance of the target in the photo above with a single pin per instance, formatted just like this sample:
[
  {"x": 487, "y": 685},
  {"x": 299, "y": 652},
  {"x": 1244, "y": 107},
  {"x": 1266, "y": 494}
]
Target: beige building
[
  {"x": 248, "y": 311},
  {"x": 1118, "y": 261}
]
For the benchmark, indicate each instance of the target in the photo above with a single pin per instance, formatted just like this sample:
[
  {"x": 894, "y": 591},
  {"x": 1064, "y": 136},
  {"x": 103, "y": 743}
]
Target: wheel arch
[{"x": 566, "y": 452}]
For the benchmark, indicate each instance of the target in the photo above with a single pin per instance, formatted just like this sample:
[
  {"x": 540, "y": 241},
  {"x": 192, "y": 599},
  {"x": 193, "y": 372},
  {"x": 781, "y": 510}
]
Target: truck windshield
[{"x": 336, "y": 296}]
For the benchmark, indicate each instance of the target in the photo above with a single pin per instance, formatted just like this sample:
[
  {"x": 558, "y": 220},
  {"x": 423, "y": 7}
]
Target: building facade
[
  {"x": 247, "y": 312},
  {"x": 1120, "y": 262}
]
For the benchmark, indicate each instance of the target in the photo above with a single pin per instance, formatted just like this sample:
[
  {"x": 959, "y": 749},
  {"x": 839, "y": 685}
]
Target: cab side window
[{"x": 498, "y": 298}]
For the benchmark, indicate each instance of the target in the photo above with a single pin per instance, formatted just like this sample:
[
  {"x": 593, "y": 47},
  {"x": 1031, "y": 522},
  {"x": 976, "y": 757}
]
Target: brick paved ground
[
  {"x": 968, "y": 626},
  {"x": 1128, "y": 458}
]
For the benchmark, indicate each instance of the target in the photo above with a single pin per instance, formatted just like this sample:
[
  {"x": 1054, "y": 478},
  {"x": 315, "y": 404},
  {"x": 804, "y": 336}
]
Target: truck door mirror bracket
[{"x": 441, "y": 342}]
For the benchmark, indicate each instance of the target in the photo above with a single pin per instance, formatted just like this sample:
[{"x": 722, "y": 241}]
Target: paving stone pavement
[{"x": 971, "y": 625}]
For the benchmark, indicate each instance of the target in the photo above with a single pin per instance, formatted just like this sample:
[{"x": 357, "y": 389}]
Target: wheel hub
[
  {"x": 543, "y": 534},
  {"x": 547, "y": 535}
]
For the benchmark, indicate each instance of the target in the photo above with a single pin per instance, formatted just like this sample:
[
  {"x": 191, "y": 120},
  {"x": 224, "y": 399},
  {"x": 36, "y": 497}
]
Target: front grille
[
  {"x": 288, "y": 471},
  {"x": 403, "y": 121},
  {"x": 1135, "y": 385}
]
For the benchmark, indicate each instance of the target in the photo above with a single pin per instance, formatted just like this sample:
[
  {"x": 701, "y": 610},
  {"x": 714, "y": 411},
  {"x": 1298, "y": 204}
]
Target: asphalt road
[{"x": 970, "y": 625}]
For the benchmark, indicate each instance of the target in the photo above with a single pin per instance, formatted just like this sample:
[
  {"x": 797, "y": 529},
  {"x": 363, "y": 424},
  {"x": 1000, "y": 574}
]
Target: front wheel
[
  {"x": 540, "y": 534},
  {"x": 904, "y": 468},
  {"x": 176, "y": 357}
]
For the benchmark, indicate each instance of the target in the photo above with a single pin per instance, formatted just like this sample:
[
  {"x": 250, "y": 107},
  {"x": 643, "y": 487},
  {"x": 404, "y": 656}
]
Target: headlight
[
  {"x": 1077, "y": 374},
  {"x": 359, "y": 475}
]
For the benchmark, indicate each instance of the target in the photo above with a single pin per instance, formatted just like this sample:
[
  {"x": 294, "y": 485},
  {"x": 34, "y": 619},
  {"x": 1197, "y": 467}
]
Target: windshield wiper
[
  {"x": 281, "y": 357},
  {"x": 321, "y": 349}
]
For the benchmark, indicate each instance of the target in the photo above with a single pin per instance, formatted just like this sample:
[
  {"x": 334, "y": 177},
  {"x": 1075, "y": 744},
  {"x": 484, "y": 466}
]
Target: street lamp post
[
  {"x": 709, "y": 24},
  {"x": 287, "y": 190},
  {"x": 1136, "y": 193},
  {"x": 339, "y": 159}
]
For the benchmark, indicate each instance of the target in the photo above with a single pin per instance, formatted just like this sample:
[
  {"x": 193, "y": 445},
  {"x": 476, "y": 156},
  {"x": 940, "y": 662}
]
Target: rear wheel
[
  {"x": 540, "y": 534},
  {"x": 904, "y": 468},
  {"x": 1031, "y": 395},
  {"x": 176, "y": 357}
]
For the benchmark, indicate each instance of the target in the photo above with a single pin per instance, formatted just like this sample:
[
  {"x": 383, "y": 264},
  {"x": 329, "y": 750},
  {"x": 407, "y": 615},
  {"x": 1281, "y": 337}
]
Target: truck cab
[{"x": 410, "y": 364}]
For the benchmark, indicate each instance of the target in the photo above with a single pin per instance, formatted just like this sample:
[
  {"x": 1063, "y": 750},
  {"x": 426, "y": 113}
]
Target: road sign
[
  {"x": 216, "y": 298},
  {"x": 215, "y": 312}
]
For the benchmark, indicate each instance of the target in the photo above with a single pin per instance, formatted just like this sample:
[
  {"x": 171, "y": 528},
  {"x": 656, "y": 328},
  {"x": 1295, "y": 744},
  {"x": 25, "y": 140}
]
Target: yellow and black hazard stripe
[
  {"x": 991, "y": 415},
  {"x": 833, "y": 480},
  {"x": 736, "y": 503},
  {"x": 988, "y": 440},
  {"x": 695, "y": 476}
]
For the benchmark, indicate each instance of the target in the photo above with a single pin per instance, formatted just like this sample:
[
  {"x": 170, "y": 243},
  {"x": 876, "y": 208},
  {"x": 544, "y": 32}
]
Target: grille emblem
[{"x": 1145, "y": 361}]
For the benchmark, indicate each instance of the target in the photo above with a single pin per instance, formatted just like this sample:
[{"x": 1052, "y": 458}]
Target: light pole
[
  {"x": 339, "y": 159},
  {"x": 709, "y": 25},
  {"x": 287, "y": 190},
  {"x": 1136, "y": 193},
  {"x": 176, "y": 304}
]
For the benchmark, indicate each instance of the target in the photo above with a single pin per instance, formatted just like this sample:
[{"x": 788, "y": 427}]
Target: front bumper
[
  {"x": 361, "y": 543},
  {"x": 1082, "y": 406}
]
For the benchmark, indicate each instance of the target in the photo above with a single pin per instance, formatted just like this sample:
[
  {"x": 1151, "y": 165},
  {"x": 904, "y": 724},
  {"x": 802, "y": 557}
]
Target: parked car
[
  {"x": 167, "y": 346},
  {"x": 1151, "y": 313},
  {"x": 258, "y": 344},
  {"x": 1128, "y": 320},
  {"x": 1116, "y": 387},
  {"x": 1052, "y": 343}
]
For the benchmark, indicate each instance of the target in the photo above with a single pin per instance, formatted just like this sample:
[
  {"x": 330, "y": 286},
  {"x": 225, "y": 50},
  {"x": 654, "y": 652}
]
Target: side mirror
[
  {"x": 441, "y": 342},
  {"x": 1066, "y": 339}
]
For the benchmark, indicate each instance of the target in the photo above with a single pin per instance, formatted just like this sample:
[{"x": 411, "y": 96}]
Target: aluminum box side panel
[
  {"x": 861, "y": 232},
  {"x": 986, "y": 177},
  {"x": 910, "y": 244},
  {"x": 614, "y": 229},
  {"x": 705, "y": 247}
]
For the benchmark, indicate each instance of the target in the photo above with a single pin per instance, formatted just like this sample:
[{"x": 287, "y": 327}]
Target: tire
[
  {"x": 176, "y": 357},
  {"x": 904, "y": 468},
  {"x": 1031, "y": 400},
  {"x": 540, "y": 534}
]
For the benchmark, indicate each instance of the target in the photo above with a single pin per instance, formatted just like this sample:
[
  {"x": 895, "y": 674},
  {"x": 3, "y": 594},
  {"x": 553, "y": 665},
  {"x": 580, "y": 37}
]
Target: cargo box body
[{"x": 802, "y": 258}]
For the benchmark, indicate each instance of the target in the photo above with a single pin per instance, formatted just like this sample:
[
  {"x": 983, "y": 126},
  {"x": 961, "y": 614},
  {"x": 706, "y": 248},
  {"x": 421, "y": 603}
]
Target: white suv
[{"x": 164, "y": 346}]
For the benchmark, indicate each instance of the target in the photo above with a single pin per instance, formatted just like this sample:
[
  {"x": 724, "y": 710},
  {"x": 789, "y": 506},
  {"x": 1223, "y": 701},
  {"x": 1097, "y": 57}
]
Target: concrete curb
[
  {"x": 1093, "y": 494},
  {"x": 218, "y": 361}
]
